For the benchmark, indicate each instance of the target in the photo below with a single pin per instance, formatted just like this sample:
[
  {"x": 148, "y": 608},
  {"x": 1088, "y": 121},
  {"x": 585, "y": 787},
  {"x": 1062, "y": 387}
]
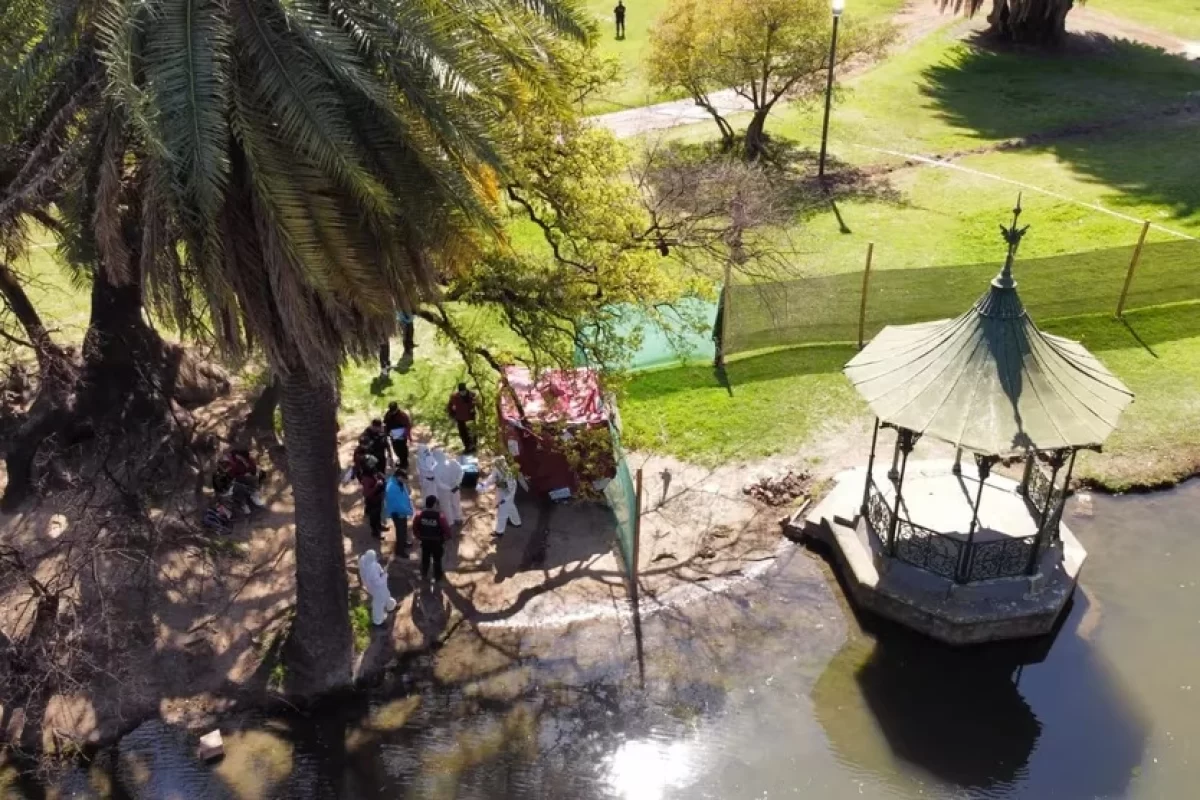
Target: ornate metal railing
[
  {"x": 1039, "y": 494},
  {"x": 942, "y": 554},
  {"x": 999, "y": 558},
  {"x": 929, "y": 550},
  {"x": 879, "y": 514}
]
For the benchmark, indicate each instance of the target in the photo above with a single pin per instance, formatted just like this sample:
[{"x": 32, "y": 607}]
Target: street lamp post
[{"x": 837, "y": 6}]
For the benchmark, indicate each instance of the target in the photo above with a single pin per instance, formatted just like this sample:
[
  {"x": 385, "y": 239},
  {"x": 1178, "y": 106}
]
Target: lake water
[{"x": 772, "y": 690}]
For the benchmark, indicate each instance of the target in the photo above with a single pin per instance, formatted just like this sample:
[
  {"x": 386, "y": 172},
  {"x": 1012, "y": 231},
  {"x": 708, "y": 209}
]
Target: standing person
[
  {"x": 398, "y": 505},
  {"x": 399, "y": 430},
  {"x": 373, "y": 485},
  {"x": 385, "y": 359},
  {"x": 426, "y": 469},
  {"x": 406, "y": 321},
  {"x": 461, "y": 409},
  {"x": 619, "y": 13},
  {"x": 448, "y": 475},
  {"x": 505, "y": 479},
  {"x": 375, "y": 439},
  {"x": 374, "y": 580},
  {"x": 432, "y": 531}
]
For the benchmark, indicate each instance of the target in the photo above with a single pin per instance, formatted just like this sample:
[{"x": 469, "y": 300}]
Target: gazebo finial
[{"x": 1012, "y": 235}]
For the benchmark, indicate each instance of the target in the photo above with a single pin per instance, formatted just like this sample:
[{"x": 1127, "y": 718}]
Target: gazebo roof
[{"x": 990, "y": 381}]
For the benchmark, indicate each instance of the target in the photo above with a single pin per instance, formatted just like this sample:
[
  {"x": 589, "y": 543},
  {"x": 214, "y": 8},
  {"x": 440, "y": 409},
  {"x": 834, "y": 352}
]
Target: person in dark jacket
[
  {"x": 461, "y": 409},
  {"x": 432, "y": 530},
  {"x": 374, "y": 487},
  {"x": 375, "y": 439},
  {"x": 398, "y": 426},
  {"x": 619, "y": 14}
]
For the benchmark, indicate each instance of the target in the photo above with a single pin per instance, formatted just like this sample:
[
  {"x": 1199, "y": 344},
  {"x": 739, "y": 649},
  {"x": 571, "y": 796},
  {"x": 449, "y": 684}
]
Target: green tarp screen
[{"x": 622, "y": 500}]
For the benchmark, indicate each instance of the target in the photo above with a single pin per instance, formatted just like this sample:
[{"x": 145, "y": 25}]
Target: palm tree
[
  {"x": 293, "y": 167},
  {"x": 1041, "y": 22}
]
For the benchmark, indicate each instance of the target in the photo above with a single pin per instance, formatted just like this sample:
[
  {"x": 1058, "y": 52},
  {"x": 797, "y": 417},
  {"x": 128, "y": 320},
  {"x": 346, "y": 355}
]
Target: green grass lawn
[
  {"x": 1178, "y": 17},
  {"x": 943, "y": 97},
  {"x": 634, "y": 89}
]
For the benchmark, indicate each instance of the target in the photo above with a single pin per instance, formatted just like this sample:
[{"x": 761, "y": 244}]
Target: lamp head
[{"x": 837, "y": 6}]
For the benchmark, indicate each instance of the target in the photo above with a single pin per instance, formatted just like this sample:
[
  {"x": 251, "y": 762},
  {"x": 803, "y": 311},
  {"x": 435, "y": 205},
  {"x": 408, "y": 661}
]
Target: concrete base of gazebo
[{"x": 935, "y": 498}]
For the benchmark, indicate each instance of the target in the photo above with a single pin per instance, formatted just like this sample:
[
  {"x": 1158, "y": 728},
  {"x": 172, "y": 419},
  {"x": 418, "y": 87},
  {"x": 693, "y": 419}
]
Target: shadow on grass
[
  {"x": 1060, "y": 101},
  {"x": 1143, "y": 328},
  {"x": 801, "y": 360}
]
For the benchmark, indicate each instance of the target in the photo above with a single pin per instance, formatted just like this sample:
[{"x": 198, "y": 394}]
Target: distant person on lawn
[
  {"x": 461, "y": 409},
  {"x": 619, "y": 13}
]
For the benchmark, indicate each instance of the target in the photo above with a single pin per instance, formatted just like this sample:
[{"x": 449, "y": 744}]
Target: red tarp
[{"x": 562, "y": 409}]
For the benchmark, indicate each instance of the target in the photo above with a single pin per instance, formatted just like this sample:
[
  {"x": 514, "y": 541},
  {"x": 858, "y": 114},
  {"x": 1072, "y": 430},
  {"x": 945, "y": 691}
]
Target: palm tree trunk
[
  {"x": 16, "y": 299},
  {"x": 320, "y": 651}
]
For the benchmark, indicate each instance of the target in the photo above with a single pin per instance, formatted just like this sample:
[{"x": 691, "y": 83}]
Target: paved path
[
  {"x": 915, "y": 21},
  {"x": 633, "y": 121}
]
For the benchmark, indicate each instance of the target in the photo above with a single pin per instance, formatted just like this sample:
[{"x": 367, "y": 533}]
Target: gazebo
[{"x": 993, "y": 385}]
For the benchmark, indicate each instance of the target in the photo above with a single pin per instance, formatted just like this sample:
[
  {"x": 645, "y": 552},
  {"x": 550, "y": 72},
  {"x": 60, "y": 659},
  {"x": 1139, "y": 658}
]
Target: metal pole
[
  {"x": 899, "y": 486},
  {"x": 1047, "y": 513},
  {"x": 894, "y": 473},
  {"x": 870, "y": 467},
  {"x": 957, "y": 468},
  {"x": 1023, "y": 488},
  {"x": 1133, "y": 262},
  {"x": 724, "y": 301},
  {"x": 828, "y": 96},
  {"x": 968, "y": 553},
  {"x": 637, "y": 532},
  {"x": 862, "y": 309}
]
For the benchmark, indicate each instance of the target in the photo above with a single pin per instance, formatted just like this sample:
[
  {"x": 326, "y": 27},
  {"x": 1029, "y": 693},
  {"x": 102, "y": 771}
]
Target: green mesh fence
[
  {"x": 826, "y": 308},
  {"x": 684, "y": 342},
  {"x": 622, "y": 499}
]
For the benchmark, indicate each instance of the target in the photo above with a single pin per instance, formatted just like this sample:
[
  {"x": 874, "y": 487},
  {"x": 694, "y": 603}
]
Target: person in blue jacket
[{"x": 399, "y": 508}]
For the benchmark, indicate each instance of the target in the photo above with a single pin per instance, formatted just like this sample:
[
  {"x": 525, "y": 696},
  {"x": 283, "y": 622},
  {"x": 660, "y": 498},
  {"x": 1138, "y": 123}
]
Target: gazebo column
[
  {"x": 1048, "y": 512},
  {"x": 984, "y": 465},
  {"x": 894, "y": 473},
  {"x": 957, "y": 468},
  {"x": 905, "y": 440},
  {"x": 870, "y": 468},
  {"x": 1023, "y": 489}
]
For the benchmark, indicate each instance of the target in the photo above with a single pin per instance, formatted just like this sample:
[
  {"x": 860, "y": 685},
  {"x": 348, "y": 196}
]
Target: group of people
[
  {"x": 381, "y": 465},
  {"x": 236, "y": 482}
]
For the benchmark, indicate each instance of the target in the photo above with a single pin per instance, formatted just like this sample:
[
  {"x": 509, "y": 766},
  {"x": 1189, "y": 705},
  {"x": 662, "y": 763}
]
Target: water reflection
[
  {"x": 764, "y": 694},
  {"x": 646, "y": 769}
]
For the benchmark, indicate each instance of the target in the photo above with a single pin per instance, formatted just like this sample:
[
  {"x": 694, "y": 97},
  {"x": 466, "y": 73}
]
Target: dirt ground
[{"x": 211, "y": 607}]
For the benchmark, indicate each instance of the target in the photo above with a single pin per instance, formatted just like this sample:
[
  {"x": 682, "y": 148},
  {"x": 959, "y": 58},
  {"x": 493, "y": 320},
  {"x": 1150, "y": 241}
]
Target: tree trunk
[
  {"x": 16, "y": 299},
  {"x": 262, "y": 413},
  {"x": 756, "y": 137},
  {"x": 1032, "y": 22},
  {"x": 321, "y": 648}
]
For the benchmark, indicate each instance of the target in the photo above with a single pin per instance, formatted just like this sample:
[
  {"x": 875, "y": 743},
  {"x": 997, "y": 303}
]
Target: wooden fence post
[
  {"x": 862, "y": 309},
  {"x": 1133, "y": 262}
]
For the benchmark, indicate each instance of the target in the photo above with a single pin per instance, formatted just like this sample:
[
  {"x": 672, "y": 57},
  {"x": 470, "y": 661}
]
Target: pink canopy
[{"x": 572, "y": 397}]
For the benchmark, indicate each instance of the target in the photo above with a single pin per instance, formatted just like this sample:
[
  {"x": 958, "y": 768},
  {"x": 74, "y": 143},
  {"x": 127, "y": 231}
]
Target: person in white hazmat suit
[
  {"x": 374, "y": 580},
  {"x": 506, "y": 480},
  {"x": 426, "y": 474},
  {"x": 448, "y": 475}
]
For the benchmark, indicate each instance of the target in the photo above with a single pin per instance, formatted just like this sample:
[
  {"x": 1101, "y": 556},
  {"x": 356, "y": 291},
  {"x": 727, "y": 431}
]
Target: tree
[
  {"x": 296, "y": 169},
  {"x": 764, "y": 50},
  {"x": 1037, "y": 22}
]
